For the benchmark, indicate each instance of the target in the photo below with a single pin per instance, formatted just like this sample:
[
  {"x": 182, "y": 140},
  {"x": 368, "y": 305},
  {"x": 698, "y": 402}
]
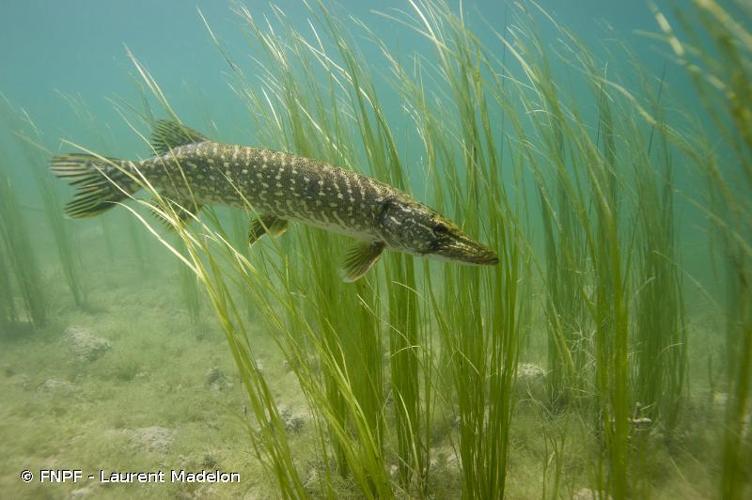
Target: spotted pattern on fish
[
  {"x": 279, "y": 187},
  {"x": 273, "y": 182}
]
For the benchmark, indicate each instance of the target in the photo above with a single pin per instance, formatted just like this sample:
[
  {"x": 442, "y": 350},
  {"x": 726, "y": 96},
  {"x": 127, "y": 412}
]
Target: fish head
[{"x": 417, "y": 229}]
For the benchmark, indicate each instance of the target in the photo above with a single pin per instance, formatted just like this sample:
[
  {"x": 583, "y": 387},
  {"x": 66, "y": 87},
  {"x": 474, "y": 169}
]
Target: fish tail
[{"x": 100, "y": 182}]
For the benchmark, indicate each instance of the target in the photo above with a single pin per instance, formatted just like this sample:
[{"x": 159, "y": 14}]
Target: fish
[{"x": 193, "y": 171}]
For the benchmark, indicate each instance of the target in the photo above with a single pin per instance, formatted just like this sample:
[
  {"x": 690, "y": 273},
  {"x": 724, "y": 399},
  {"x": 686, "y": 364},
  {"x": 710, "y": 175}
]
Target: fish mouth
[
  {"x": 484, "y": 257},
  {"x": 467, "y": 251}
]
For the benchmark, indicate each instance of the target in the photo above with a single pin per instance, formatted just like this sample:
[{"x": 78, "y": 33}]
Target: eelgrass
[
  {"x": 349, "y": 395},
  {"x": 479, "y": 313},
  {"x": 718, "y": 60},
  {"x": 586, "y": 252},
  {"x": 613, "y": 302},
  {"x": 346, "y": 317},
  {"x": 354, "y": 436},
  {"x": 660, "y": 335},
  {"x": 564, "y": 207},
  {"x": 190, "y": 293},
  {"x": 238, "y": 235},
  {"x": 20, "y": 271},
  {"x": 8, "y": 314},
  {"x": 29, "y": 141},
  {"x": 406, "y": 347}
]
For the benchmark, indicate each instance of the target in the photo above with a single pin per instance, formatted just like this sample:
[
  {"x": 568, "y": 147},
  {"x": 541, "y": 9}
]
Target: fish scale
[{"x": 272, "y": 182}]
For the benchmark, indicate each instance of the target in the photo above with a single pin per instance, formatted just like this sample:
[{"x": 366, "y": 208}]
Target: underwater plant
[
  {"x": 29, "y": 141},
  {"x": 716, "y": 56},
  {"x": 19, "y": 269},
  {"x": 414, "y": 358}
]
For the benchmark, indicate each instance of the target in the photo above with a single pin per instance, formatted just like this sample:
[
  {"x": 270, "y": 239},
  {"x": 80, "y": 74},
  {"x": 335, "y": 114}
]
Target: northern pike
[{"x": 193, "y": 171}]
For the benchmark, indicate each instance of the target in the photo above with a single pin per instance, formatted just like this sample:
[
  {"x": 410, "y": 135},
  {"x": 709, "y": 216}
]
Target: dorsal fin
[{"x": 170, "y": 134}]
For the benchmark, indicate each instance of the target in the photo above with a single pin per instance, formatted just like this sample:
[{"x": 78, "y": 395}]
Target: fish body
[
  {"x": 280, "y": 188},
  {"x": 275, "y": 183}
]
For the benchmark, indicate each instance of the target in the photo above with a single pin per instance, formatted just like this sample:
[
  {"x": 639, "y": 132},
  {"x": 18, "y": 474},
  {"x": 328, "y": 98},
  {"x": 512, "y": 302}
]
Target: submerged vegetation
[
  {"x": 28, "y": 139},
  {"x": 413, "y": 375},
  {"x": 718, "y": 61},
  {"x": 19, "y": 270}
]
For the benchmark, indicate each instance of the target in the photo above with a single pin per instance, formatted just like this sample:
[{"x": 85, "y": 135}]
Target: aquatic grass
[
  {"x": 372, "y": 359},
  {"x": 482, "y": 353},
  {"x": 35, "y": 154},
  {"x": 269, "y": 435},
  {"x": 660, "y": 330},
  {"x": 628, "y": 279},
  {"x": 238, "y": 235},
  {"x": 562, "y": 210},
  {"x": 584, "y": 255},
  {"x": 411, "y": 406},
  {"x": 311, "y": 131},
  {"x": 614, "y": 306},
  {"x": 20, "y": 265},
  {"x": 190, "y": 293},
  {"x": 333, "y": 396},
  {"x": 334, "y": 393},
  {"x": 717, "y": 60},
  {"x": 8, "y": 313},
  {"x": 338, "y": 400},
  {"x": 478, "y": 312},
  {"x": 202, "y": 258}
]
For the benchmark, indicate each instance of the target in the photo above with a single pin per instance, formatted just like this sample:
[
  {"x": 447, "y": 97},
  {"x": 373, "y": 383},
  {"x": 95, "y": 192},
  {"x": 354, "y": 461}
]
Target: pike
[{"x": 191, "y": 171}]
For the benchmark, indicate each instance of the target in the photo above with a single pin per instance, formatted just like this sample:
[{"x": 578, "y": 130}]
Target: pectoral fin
[
  {"x": 360, "y": 258},
  {"x": 266, "y": 224}
]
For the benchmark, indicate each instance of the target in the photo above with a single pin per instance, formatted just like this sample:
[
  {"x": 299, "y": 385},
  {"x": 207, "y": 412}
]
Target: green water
[{"x": 603, "y": 151}]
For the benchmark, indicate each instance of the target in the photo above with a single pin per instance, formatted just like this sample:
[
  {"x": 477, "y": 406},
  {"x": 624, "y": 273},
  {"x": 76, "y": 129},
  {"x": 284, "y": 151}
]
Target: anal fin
[
  {"x": 264, "y": 224},
  {"x": 360, "y": 258}
]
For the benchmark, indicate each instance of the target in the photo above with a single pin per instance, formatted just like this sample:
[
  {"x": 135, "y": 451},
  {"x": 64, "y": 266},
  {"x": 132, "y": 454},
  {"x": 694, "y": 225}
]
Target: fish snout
[
  {"x": 482, "y": 256},
  {"x": 467, "y": 251},
  {"x": 487, "y": 258}
]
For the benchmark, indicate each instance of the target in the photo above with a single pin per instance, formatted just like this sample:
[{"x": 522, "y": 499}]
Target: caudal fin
[{"x": 100, "y": 182}]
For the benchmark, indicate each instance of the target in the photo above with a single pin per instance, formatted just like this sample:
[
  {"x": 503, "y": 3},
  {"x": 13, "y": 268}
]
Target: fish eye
[{"x": 440, "y": 228}]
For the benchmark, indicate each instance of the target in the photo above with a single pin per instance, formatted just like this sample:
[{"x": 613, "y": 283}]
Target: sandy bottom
[{"x": 163, "y": 395}]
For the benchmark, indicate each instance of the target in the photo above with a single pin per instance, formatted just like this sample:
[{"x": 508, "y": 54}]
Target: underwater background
[{"x": 602, "y": 148}]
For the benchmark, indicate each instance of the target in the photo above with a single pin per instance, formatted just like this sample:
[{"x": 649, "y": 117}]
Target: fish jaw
[{"x": 462, "y": 249}]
